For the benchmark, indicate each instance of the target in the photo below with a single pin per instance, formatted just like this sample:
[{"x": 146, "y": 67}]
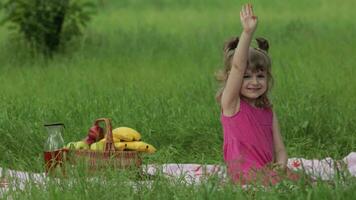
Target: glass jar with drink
[{"x": 54, "y": 154}]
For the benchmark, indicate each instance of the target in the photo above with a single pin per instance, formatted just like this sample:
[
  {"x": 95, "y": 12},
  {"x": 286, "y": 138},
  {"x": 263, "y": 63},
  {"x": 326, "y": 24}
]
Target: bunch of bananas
[{"x": 124, "y": 139}]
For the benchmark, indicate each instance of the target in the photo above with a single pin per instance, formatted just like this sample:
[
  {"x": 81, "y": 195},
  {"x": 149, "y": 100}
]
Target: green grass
[{"x": 150, "y": 65}]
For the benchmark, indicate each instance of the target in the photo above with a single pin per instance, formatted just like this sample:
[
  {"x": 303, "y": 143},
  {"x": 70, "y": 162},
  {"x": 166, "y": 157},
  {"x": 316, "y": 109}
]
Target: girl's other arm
[
  {"x": 280, "y": 153},
  {"x": 231, "y": 95}
]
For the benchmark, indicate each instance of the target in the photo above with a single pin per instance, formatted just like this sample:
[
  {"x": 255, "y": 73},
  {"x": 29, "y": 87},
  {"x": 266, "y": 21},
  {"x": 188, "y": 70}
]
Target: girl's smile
[{"x": 254, "y": 84}]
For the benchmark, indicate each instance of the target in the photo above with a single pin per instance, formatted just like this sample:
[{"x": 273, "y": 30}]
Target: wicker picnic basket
[{"x": 110, "y": 157}]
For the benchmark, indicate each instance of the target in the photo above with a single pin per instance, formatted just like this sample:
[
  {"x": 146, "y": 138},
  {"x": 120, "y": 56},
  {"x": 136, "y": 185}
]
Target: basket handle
[{"x": 109, "y": 146}]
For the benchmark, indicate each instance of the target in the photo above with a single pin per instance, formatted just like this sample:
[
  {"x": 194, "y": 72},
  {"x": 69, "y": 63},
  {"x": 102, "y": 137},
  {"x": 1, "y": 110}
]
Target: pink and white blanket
[{"x": 325, "y": 169}]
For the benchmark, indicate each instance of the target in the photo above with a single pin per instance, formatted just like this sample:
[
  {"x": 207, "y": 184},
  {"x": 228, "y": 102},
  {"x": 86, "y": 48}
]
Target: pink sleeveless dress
[{"x": 248, "y": 141}]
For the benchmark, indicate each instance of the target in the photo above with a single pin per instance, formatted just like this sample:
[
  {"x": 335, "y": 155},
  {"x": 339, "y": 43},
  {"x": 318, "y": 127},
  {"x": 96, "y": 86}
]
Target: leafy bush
[{"x": 47, "y": 24}]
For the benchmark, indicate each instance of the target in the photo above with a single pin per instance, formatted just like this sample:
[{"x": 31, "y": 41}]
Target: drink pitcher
[{"x": 53, "y": 148}]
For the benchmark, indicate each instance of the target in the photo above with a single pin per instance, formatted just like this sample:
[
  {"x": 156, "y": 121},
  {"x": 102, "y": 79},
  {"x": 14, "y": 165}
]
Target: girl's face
[{"x": 254, "y": 85}]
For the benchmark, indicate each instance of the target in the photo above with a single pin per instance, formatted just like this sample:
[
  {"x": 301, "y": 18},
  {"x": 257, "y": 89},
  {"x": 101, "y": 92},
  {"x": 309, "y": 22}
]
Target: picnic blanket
[{"x": 324, "y": 169}]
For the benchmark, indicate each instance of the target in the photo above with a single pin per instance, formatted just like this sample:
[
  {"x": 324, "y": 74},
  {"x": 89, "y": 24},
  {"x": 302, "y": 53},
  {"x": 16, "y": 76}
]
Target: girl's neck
[{"x": 252, "y": 102}]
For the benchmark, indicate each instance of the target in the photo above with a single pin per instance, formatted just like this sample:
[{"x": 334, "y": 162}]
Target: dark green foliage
[{"x": 47, "y": 24}]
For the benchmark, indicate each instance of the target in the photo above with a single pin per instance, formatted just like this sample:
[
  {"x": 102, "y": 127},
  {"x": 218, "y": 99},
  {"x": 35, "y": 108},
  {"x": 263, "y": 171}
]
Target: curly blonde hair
[{"x": 258, "y": 60}]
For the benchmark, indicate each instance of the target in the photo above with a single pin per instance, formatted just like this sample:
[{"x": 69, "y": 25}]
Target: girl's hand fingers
[
  {"x": 248, "y": 8},
  {"x": 243, "y": 12},
  {"x": 251, "y": 10}
]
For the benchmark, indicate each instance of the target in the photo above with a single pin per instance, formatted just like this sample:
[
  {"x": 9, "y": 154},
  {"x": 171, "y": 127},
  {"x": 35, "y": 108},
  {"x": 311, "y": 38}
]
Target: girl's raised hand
[{"x": 248, "y": 19}]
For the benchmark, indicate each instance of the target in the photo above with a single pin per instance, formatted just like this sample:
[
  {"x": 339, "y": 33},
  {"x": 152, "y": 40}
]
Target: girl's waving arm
[
  {"x": 280, "y": 153},
  {"x": 231, "y": 95}
]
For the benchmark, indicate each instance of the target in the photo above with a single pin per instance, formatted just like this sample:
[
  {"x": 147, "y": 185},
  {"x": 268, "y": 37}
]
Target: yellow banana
[
  {"x": 140, "y": 146},
  {"x": 125, "y": 134},
  {"x": 120, "y": 146},
  {"x": 104, "y": 140}
]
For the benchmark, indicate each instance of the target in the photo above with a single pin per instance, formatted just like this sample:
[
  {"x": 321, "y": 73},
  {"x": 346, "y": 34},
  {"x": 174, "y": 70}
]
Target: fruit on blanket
[
  {"x": 140, "y": 146},
  {"x": 78, "y": 145},
  {"x": 120, "y": 146},
  {"x": 125, "y": 134},
  {"x": 98, "y": 146}
]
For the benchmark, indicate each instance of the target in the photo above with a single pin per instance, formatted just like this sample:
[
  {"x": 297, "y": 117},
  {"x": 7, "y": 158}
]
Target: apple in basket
[
  {"x": 78, "y": 145},
  {"x": 98, "y": 146}
]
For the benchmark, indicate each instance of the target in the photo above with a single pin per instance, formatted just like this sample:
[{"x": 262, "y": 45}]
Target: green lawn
[{"x": 150, "y": 65}]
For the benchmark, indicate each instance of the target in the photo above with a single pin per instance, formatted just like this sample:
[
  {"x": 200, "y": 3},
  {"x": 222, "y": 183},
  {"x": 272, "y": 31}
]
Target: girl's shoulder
[
  {"x": 237, "y": 112},
  {"x": 246, "y": 109}
]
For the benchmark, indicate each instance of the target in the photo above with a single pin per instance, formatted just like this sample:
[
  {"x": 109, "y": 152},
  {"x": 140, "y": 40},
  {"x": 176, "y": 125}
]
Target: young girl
[{"x": 253, "y": 146}]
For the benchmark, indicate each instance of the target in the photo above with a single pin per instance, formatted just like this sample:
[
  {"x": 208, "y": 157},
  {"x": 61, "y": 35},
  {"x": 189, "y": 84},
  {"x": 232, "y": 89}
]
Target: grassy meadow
[{"x": 150, "y": 65}]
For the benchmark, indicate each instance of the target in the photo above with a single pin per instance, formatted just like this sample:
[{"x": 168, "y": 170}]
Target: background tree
[{"x": 47, "y": 24}]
